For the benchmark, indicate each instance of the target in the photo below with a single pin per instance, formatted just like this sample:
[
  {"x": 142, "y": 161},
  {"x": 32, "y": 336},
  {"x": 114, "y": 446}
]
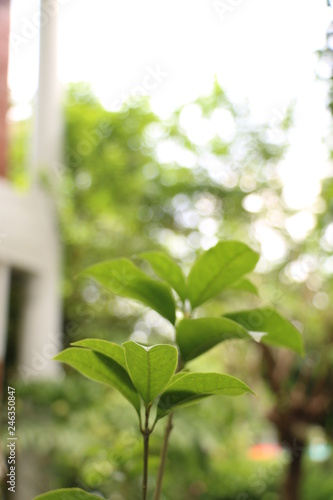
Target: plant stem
[
  {"x": 168, "y": 429},
  {"x": 145, "y": 433},
  {"x": 163, "y": 456}
]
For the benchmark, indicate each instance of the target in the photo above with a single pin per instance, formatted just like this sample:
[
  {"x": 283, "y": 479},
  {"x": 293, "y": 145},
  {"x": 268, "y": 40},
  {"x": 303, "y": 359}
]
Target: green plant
[{"x": 155, "y": 379}]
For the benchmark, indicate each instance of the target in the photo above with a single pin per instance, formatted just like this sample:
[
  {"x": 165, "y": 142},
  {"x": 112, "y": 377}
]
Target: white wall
[{"x": 29, "y": 242}]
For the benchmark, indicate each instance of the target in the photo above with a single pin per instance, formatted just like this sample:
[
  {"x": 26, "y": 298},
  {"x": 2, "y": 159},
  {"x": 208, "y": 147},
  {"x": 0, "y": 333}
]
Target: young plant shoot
[{"x": 153, "y": 378}]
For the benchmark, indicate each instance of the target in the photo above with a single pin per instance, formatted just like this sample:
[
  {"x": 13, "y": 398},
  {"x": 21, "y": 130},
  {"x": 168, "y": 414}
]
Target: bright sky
[{"x": 260, "y": 50}]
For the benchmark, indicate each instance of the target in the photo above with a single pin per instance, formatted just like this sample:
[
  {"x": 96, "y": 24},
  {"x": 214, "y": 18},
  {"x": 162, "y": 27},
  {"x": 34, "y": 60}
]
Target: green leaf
[
  {"x": 167, "y": 269},
  {"x": 151, "y": 368},
  {"x": 67, "y": 494},
  {"x": 219, "y": 268},
  {"x": 196, "y": 336},
  {"x": 277, "y": 330},
  {"x": 123, "y": 278},
  {"x": 245, "y": 285},
  {"x": 103, "y": 369},
  {"x": 109, "y": 349},
  {"x": 193, "y": 387}
]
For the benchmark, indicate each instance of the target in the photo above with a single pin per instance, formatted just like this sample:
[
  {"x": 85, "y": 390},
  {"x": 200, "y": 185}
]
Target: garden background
[{"x": 180, "y": 125}]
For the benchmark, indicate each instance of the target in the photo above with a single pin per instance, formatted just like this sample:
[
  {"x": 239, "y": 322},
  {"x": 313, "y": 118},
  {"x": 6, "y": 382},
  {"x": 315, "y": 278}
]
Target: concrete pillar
[
  {"x": 48, "y": 132},
  {"x": 4, "y": 306},
  {"x": 40, "y": 335}
]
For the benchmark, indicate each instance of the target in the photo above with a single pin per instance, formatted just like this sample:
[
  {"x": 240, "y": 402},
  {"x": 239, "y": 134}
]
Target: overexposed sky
[{"x": 261, "y": 51}]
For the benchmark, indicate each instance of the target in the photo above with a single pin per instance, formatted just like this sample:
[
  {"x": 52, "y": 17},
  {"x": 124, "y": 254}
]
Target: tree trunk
[{"x": 291, "y": 489}]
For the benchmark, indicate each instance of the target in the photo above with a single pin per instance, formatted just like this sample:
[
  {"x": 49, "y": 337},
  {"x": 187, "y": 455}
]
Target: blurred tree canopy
[{"x": 132, "y": 182}]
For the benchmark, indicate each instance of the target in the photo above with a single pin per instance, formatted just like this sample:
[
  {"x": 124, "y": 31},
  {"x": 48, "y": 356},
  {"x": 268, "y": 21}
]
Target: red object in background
[
  {"x": 4, "y": 48},
  {"x": 264, "y": 451}
]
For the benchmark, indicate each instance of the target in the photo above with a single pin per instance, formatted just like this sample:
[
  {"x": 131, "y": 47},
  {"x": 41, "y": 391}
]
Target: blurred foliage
[
  {"x": 131, "y": 182},
  {"x": 95, "y": 444}
]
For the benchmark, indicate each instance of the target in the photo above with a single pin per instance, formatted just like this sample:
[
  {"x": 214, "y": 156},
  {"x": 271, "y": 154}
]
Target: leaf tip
[{"x": 57, "y": 357}]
